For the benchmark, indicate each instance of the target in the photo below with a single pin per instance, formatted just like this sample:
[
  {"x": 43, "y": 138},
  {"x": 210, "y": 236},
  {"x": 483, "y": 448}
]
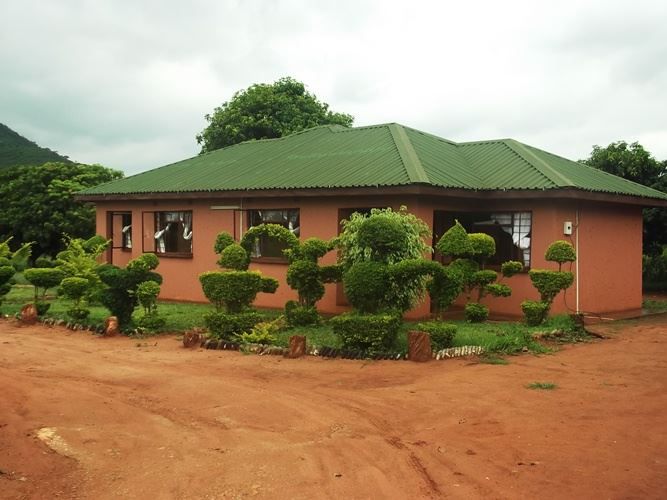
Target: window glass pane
[
  {"x": 173, "y": 232},
  {"x": 270, "y": 247},
  {"x": 510, "y": 230}
]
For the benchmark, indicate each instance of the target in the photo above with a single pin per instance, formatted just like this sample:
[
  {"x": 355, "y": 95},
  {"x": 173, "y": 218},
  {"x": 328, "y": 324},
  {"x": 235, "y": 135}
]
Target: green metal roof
[{"x": 374, "y": 156}]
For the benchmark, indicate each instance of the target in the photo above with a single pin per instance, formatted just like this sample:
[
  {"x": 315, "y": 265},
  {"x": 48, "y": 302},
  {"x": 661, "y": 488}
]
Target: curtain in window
[{"x": 127, "y": 232}]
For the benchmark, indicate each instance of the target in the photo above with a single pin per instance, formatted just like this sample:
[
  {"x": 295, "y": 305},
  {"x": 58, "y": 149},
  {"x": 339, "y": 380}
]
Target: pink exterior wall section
[{"x": 609, "y": 241}]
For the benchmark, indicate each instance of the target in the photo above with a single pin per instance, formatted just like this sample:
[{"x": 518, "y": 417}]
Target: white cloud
[{"x": 127, "y": 84}]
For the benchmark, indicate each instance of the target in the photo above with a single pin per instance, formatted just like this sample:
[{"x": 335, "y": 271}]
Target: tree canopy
[
  {"x": 267, "y": 111},
  {"x": 38, "y": 203},
  {"x": 633, "y": 162}
]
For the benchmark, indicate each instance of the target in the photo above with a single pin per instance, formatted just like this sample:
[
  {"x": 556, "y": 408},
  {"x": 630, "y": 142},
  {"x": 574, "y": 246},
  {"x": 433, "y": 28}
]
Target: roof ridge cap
[
  {"x": 538, "y": 163},
  {"x": 406, "y": 151}
]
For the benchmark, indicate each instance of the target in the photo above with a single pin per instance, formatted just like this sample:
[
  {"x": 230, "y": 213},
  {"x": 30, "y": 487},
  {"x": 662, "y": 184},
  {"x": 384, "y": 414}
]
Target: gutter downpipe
[{"x": 576, "y": 262}]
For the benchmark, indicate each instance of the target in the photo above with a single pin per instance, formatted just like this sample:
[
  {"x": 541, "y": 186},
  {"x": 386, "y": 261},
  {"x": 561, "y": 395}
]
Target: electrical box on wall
[{"x": 567, "y": 227}]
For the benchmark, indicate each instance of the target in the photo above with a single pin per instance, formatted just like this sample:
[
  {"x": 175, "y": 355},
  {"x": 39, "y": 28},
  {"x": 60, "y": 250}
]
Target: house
[{"x": 309, "y": 181}]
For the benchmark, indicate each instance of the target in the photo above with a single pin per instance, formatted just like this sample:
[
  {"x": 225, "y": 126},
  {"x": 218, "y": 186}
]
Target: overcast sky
[{"x": 127, "y": 83}]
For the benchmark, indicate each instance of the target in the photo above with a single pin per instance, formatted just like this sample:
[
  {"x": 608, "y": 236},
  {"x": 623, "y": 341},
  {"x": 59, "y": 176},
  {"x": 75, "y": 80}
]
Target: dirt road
[{"x": 87, "y": 417}]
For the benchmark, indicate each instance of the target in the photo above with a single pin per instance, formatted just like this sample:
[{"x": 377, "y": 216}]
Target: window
[
  {"x": 510, "y": 230},
  {"x": 173, "y": 232},
  {"x": 121, "y": 230},
  {"x": 270, "y": 247}
]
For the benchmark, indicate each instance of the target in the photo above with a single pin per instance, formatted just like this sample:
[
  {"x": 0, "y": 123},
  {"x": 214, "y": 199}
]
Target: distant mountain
[{"x": 17, "y": 150}]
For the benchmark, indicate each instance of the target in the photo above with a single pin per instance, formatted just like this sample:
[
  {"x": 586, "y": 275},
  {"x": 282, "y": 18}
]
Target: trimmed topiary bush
[
  {"x": 550, "y": 283},
  {"x": 455, "y": 242},
  {"x": 147, "y": 294},
  {"x": 369, "y": 333},
  {"x": 225, "y": 325},
  {"x": 298, "y": 315},
  {"x": 442, "y": 334},
  {"x": 76, "y": 289},
  {"x": 476, "y": 312},
  {"x": 445, "y": 285},
  {"x": 534, "y": 311},
  {"x": 366, "y": 286},
  {"x": 483, "y": 246},
  {"x": 511, "y": 268},
  {"x": 232, "y": 291},
  {"x": 560, "y": 251},
  {"x": 233, "y": 256},
  {"x": 43, "y": 279},
  {"x": 119, "y": 290}
]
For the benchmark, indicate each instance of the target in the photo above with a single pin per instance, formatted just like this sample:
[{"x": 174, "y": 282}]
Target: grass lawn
[
  {"x": 655, "y": 305},
  {"x": 502, "y": 337}
]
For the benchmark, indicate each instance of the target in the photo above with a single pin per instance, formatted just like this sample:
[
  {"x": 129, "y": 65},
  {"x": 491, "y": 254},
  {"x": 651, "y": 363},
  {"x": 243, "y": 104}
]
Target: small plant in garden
[
  {"x": 233, "y": 290},
  {"x": 76, "y": 289},
  {"x": 119, "y": 286},
  {"x": 470, "y": 253},
  {"x": 308, "y": 278},
  {"x": 10, "y": 262},
  {"x": 263, "y": 333},
  {"x": 442, "y": 334},
  {"x": 147, "y": 294},
  {"x": 43, "y": 279},
  {"x": 549, "y": 283},
  {"x": 543, "y": 386}
]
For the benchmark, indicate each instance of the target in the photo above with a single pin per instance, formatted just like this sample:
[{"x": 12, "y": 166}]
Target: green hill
[{"x": 17, "y": 150}]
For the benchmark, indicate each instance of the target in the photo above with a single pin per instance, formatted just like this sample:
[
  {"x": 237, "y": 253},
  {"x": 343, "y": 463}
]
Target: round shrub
[
  {"x": 300, "y": 315},
  {"x": 483, "y": 245},
  {"x": 369, "y": 333},
  {"x": 222, "y": 241},
  {"x": 382, "y": 236},
  {"x": 152, "y": 323},
  {"x": 74, "y": 288},
  {"x": 534, "y": 311},
  {"x": 77, "y": 313},
  {"x": 268, "y": 285},
  {"x": 550, "y": 283},
  {"x": 560, "y": 251},
  {"x": 234, "y": 290},
  {"x": 6, "y": 274},
  {"x": 442, "y": 334},
  {"x": 499, "y": 290},
  {"x": 225, "y": 325},
  {"x": 44, "y": 261},
  {"x": 280, "y": 233},
  {"x": 233, "y": 256},
  {"x": 144, "y": 263},
  {"x": 44, "y": 277},
  {"x": 147, "y": 294},
  {"x": 455, "y": 242},
  {"x": 476, "y": 312},
  {"x": 365, "y": 285},
  {"x": 313, "y": 248},
  {"x": 444, "y": 287},
  {"x": 304, "y": 277},
  {"x": 510, "y": 268},
  {"x": 483, "y": 278},
  {"x": 42, "y": 307}
]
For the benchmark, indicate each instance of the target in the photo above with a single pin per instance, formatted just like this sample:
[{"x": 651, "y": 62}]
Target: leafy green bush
[
  {"x": 534, "y": 311},
  {"x": 442, "y": 334},
  {"x": 232, "y": 290},
  {"x": 305, "y": 277},
  {"x": 560, "y": 251},
  {"x": 76, "y": 289},
  {"x": 225, "y": 325},
  {"x": 455, "y": 242},
  {"x": 233, "y": 256},
  {"x": 264, "y": 332},
  {"x": 370, "y": 333},
  {"x": 45, "y": 261},
  {"x": 483, "y": 278},
  {"x": 273, "y": 231},
  {"x": 365, "y": 285},
  {"x": 298, "y": 315},
  {"x": 499, "y": 290},
  {"x": 6, "y": 275},
  {"x": 119, "y": 290},
  {"x": 147, "y": 294},
  {"x": 483, "y": 245},
  {"x": 476, "y": 312},
  {"x": 80, "y": 259},
  {"x": 222, "y": 241},
  {"x": 550, "y": 283},
  {"x": 654, "y": 272},
  {"x": 43, "y": 279},
  {"x": 382, "y": 236},
  {"x": 510, "y": 268},
  {"x": 445, "y": 285}
]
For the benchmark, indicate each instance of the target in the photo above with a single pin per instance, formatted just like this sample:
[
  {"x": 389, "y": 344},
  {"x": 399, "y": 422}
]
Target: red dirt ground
[{"x": 157, "y": 421}]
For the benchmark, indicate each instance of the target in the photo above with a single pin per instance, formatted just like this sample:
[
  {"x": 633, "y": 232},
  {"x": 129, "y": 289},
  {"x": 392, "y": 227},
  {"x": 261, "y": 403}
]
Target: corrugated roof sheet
[{"x": 374, "y": 156}]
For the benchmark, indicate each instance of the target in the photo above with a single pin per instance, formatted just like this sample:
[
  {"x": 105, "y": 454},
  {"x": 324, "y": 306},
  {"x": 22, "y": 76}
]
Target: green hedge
[
  {"x": 370, "y": 333},
  {"x": 442, "y": 334},
  {"x": 226, "y": 325}
]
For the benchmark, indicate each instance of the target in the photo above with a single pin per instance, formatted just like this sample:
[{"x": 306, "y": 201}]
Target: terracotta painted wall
[
  {"x": 601, "y": 291},
  {"x": 610, "y": 260}
]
